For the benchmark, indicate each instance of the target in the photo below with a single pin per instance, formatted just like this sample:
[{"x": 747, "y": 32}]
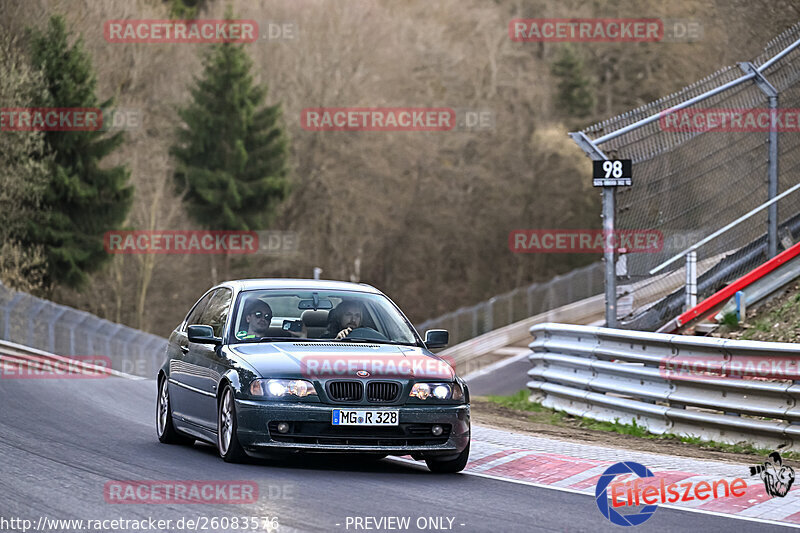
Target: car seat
[{"x": 315, "y": 322}]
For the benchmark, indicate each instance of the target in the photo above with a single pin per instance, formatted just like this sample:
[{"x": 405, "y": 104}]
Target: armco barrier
[
  {"x": 58, "y": 329},
  {"x": 610, "y": 374},
  {"x": 17, "y": 360}
]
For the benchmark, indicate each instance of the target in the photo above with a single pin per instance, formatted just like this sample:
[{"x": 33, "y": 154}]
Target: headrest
[{"x": 314, "y": 319}]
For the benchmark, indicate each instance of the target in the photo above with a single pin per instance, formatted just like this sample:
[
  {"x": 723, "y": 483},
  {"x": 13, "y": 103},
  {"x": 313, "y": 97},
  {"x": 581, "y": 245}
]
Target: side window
[
  {"x": 217, "y": 310},
  {"x": 197, "y": 311}
]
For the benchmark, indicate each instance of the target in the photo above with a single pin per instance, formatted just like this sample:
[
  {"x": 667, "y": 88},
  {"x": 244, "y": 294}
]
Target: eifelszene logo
[
  {"x": 777, "y": 477},
  {"x": 601, "y": 496},
  {"x": 648, "y": 491}
]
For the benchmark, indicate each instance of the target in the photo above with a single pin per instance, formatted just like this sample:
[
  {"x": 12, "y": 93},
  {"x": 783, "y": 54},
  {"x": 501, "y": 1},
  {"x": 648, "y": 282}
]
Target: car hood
[{"x": 328, "y": 360}]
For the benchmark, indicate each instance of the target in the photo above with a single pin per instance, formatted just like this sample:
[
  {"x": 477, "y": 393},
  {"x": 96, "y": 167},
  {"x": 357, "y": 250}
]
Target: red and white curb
[{"x": 577, "y": 467}]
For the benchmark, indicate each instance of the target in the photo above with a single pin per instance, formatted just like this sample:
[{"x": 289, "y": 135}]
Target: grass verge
[{"x": 544, "y": 415}]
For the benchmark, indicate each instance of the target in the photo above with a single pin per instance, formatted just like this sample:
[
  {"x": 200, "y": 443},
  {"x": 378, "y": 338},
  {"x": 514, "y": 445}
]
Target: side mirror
[
  {"x": 436, "y": 338},
  {"x": 202, "y": 335}
]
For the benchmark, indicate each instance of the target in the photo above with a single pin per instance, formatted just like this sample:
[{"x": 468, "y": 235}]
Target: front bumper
[{"x": 311, "y": 429}]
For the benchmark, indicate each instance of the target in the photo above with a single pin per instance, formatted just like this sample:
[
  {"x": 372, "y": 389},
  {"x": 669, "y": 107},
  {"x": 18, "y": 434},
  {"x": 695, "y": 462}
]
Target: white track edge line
[
  {"x": 102, "y": 370},
  {"x": 576, "y": 491}
]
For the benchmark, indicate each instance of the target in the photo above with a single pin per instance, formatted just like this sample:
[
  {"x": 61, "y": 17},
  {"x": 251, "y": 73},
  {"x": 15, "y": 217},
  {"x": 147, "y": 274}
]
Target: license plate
[{"x": 347, "y": 417}]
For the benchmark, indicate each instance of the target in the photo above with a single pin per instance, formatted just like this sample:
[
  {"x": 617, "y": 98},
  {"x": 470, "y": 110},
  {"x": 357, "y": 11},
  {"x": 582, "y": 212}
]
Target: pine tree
[
  {"x": 574, "y": 93},
  {"x": 23, "y": 172},
  {"x": 82, "y": 200},
  {"x": 231, "y": 151}
]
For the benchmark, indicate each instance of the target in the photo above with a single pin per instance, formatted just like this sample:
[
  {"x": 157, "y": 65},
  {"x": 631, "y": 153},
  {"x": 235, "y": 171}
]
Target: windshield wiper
[
  {"x": 387, "y": 341},
  {"x": 354, "y": 340}
]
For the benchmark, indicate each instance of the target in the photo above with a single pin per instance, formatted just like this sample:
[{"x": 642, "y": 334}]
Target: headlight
[
  {"x": 438, "y": 391},
  {"x": 280, "y": 388},
  {"x": 421, "y": 391}
]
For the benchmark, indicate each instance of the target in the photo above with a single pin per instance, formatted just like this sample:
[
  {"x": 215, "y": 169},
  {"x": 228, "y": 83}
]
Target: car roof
[{"x": 301, "y": 284}]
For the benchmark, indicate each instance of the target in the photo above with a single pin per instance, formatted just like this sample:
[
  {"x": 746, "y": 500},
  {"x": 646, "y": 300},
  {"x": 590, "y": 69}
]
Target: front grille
[
  {"x": 382, "y": 391},
  {"x": 325, "y": 433},
  {"x": 345, "y": 391}
]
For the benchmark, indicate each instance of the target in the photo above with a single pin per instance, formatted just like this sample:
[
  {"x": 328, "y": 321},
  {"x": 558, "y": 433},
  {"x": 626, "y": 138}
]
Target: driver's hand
[{"x": 344, "y": 333}]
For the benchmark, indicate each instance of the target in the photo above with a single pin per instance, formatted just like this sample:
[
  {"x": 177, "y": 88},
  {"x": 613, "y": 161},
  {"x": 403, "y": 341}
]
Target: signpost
[{"x": 612, "y": 173}]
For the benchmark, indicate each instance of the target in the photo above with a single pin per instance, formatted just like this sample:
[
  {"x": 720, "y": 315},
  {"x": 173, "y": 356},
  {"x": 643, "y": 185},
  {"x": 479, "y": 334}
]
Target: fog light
[
  {"x": 437, "y": 430},
  {"x": 283, "y": 427}
]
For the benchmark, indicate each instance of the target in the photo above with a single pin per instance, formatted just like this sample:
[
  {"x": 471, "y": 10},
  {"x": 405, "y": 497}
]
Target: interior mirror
[
  {"x": 202, "y": 335},
  {"x": 436, "y": 338},
  {"x": 319, "y": 304}
]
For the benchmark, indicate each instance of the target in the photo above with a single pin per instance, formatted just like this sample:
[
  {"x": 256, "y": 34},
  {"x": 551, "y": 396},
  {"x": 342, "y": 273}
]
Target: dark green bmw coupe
[{"x": 268, "y": 366}]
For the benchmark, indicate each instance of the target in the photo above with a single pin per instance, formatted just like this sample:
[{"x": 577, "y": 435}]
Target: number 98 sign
[{"x": 612, "y": 173}]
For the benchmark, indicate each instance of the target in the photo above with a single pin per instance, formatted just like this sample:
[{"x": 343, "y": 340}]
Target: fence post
[
  {"x": 772, "y": 187},
  {"x": 691, "y": 279},
  {"x": 596, "y": 154},
  {"x": 92, "y": 337},
  {"x": 7, "y": 317},
  {"x": 772, "y": 154},
  {"x": 490, "y": 314},
  {"x": 32, "y": 312},
  {"x": 51, "y": 328}
]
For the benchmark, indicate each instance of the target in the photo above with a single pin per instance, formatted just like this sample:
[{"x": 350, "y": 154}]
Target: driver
[
  {"x": 258, "y": 316},
  {"x": 347, "y": 316}
]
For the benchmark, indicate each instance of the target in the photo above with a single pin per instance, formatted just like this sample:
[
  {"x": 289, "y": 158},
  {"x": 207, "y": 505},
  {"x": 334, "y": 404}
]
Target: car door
[
  {"x": 207, "y": 361},
  {"x": 180, "y": 371}
]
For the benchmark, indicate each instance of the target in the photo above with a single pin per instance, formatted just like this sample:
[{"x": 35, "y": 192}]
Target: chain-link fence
[
  {"x": 692, "y": 177},
  {"x": 62, "y": 330},
  {"x": 519, "y": 304}
]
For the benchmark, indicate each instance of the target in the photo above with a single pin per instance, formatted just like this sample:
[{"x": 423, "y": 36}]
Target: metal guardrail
[
  {"x": 632, "y": 376},
  {"x": 58, "y": 329},
  {"x": 23, "y": 362}
]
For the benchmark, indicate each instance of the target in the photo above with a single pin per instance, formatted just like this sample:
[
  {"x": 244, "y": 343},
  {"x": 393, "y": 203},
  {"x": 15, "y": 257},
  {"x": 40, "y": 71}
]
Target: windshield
[{"x": 343, "y": 316}]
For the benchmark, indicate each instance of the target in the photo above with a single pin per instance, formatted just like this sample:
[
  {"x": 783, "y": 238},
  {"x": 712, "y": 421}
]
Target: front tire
[
  {"x": 450, "y": 466},
  {"x": 164, "y": 427},
  {"x": 227, "y": 440}
]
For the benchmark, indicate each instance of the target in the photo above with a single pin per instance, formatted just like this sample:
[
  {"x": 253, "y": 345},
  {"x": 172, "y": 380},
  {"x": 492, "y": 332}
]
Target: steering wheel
[{"x": 368, "y": 334}]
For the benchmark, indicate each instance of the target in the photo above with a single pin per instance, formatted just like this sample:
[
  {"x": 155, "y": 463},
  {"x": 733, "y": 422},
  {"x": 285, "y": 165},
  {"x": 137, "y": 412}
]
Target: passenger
[{"x": 258, "y": 316}]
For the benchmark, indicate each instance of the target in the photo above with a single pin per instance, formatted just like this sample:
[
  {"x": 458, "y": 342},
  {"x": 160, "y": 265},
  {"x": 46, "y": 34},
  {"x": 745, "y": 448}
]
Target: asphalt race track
[
  {"x": 61, "y": 440},
  {"x": 503, "y": 379}
]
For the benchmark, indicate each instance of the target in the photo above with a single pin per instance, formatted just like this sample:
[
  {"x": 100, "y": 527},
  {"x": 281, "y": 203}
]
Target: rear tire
[
  {"x": 164, "y": 427},
  {"x": 227, "y": 440},
  {"x": 450, "y": 466}
]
